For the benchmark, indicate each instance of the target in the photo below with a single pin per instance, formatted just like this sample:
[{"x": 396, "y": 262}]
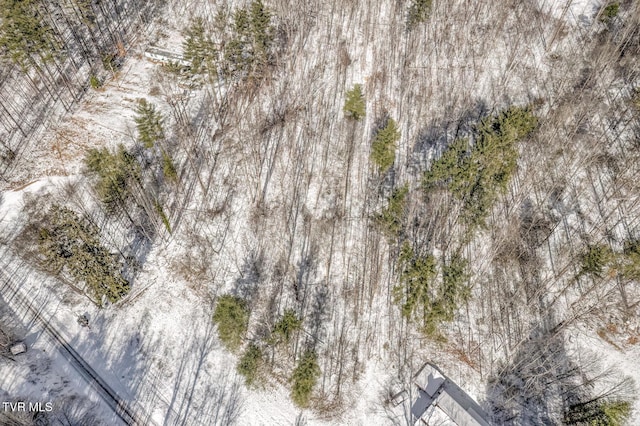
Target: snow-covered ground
[{"x": 158, "y": 348}]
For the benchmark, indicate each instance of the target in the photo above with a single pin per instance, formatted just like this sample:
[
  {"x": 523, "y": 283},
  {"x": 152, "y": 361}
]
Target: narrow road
[{"x": 123, "y": 409}]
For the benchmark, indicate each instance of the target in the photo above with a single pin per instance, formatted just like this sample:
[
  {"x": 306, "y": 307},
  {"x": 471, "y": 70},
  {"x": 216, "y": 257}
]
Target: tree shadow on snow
[
  {"x": 436, "y": 136},
  {"x": 203, "y": 394}
]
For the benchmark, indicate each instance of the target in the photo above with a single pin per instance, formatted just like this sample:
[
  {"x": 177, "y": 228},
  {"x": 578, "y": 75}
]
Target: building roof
[{"x": 434, "y": 388}]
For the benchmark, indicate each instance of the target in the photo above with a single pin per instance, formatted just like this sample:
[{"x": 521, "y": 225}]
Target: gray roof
[{"x": 434, "y": 388}]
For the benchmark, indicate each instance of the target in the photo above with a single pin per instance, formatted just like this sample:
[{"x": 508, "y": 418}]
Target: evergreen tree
[
  {"x": 631, "y": 260},
  {"x": 163, "y": 216},
  {"x": 70, "y": 244},
  {"x": 168, "y": 168},
  {"x": 599, "y": 412},
  {"x": 418, "y": 12},
  {"x": 149, "y": 124},
  {"x": 25, "y": 34},
  {"x": 232, "y": 318},
  {"x": 354, "y": 106},
  {"x": 595, "y": 259},
  {"x": 261, "y": 31},
  {"x": 250, "y": 364},
  {"x": 609, "y": 12},
  {"x": 383, "y": 152},
  {"x": 115, "y": 173},
  {"x": 417, "y": 275},
  {"x": 305, "y": 376},
  {"x": 391, "y": 218},
  {"x": 199, "y": 49},
  {"x": 287, "y": 325}
]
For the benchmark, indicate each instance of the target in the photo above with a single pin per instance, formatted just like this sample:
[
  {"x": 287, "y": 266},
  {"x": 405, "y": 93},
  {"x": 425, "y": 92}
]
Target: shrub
[
  {"x": 354, "y": 106},
  {"x": 250, "y": 364},
  {"x": 305, "y": 377},
  {"x": 383, "y": 149},
  {"x": 232, "y": 318}
]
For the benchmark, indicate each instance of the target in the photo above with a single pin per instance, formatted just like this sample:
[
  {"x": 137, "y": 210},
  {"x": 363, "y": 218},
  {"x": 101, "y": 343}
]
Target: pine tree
[
  {"x": 595, "y": 259},
  {"x": 261, "y": 31},
  {"x": 25, "y": 33},
  {"x": 115, "y": 174},
  {"x": 418, "y": 12},
  {"x": 199, "y": 49},
  {"x": 232, "y": 318},
  {"x": 287, "y": 325},
  {"x": 149, "y": 124},
  {"x": 354, "y": 106},
  {"x": 305, "y": 376},
  {"x": 383, "y": 149},
  {"x": 392, "y": 216},
  {"x": 417, "y": 276},
  {"x": 250, "y": 364},
  {"x": 168, "y": 168}
]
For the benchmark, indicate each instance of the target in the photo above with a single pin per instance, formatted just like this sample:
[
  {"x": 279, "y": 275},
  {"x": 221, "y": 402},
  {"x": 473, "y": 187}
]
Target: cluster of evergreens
[
  {"x": 51, "y": 41},
  {"x": 242, "y": 45},
  {"x": 25, "y": 33},
  {"x": 599, "y": 260},
  {"x": 117, "y": 174},
  {"x": 72, "y": 245},
  {"x": 231, "y": 317},
  {"x": 424, "y": 297},
  {"x": 476, "y": 173}
]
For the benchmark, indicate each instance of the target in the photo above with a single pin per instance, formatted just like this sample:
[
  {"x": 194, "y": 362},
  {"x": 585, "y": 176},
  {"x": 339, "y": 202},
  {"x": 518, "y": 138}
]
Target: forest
[{"x": 319, "y": 197}]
